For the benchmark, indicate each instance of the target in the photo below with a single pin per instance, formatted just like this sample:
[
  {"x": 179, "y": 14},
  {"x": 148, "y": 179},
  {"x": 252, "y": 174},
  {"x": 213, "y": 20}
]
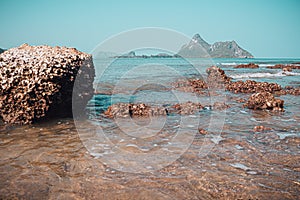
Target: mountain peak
[{"x": 197, "y": 37}]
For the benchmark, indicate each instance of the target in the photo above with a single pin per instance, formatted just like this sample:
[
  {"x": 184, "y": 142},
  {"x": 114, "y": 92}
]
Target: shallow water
[{"x": 160, "y": 157}]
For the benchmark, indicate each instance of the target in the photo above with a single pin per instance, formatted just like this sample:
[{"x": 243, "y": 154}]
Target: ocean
[{"x": 160, "y": 157}]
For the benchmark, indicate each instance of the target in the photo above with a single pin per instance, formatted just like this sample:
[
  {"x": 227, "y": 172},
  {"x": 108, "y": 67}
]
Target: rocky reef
[
  {"x": 38, "y": 81},
  {"x": 217, "y": 79},
  {"x": 144, "y": 110},
  {"x": 250, "y": 86},
  {"x": 264, "y": 100}
]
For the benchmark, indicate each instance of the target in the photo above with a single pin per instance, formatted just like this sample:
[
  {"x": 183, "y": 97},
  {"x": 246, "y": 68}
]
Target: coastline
[{"x": 254, "y": 156}]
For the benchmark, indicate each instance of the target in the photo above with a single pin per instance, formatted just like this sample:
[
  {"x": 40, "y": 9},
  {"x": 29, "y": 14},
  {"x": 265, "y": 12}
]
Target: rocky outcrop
[
  {"x": 250, "y": 86},
  {"x": 217, "y": 77},
  {"x": 198, "y": 86},
  {"x": 264, "y": 100},
  {"x": 199, "y": 48},
  {"x": 186, "y": 108},
  {"x": 38, "y": 81},
  {"x": 250, "y": 65},
  {"x": 131, "y": 110},
  {"x": 284, "y": 67},
  {"x": 124, "y": 110}
]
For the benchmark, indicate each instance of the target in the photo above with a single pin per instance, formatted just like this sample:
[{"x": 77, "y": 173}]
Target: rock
[
  {"x": 37, "y": 82},
  {"x": 220, "y": 106},
  {"x": 143, "y": 110},
  {"x": 217, "y": 77},
  {"x": 191, "y": 85},
  {"x": 286, "y": 67},
  {"x": 134, "y": 110},
  {"x": 261, "y": 129},
  {"x": 264, "y": 100},
  {"x": 291, "y": 90},
  {"x": 250, "y": 86},
  {"x": 250, "y": 65},
  {"x": 199, "y": 48},
  {"x": 186, "y": 108},
  {"x": 202, "y": 131}
]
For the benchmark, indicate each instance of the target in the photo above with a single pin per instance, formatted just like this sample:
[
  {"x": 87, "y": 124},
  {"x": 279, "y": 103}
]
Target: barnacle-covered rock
[
  {"x": 264, "y": 100},
  {"x": 37, "y": 81}
]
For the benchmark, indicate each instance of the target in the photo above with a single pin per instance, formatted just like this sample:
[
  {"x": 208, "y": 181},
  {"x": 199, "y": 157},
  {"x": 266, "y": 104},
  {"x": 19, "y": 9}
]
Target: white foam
[
  {"x": 229, "y": 64},
  {"x": 265, "y": 65},
  {"x": 263, "y": 75}
]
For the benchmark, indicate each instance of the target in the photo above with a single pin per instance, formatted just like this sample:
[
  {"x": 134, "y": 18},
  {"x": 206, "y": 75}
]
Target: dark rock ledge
[{"x": 37, "y": 82}]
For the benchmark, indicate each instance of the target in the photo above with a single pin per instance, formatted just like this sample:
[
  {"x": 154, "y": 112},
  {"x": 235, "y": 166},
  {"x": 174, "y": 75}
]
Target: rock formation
[
  {"x": 217, "y": 77},
  {"x": 199, "y": 48},
  {"x": 250, "y": 65},
  {"x": 143, "y": 110},
  {"x": 37, "y": 81},
  {"x": 287, "y": 67},
  {"x": 264, "y": 100},
  {"x": 250, "y": 86}
]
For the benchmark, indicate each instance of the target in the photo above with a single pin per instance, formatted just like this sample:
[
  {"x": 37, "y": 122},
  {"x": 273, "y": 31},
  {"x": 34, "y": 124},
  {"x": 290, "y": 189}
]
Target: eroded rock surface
[
  {"x": 37, "y": 81},
  {"x": 264, "y": 100}
]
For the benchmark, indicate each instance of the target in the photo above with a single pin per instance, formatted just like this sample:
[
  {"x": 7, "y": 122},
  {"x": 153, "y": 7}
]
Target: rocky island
[
  {"x": 199, "y": 48},
  {"x": 38, "y": 81}
]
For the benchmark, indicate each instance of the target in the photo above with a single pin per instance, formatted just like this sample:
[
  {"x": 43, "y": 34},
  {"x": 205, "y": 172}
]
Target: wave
[
  {"x": 265, "y": 65},
  {"x": 263, "y": 75},
  {"x": 229, "y": 64}
]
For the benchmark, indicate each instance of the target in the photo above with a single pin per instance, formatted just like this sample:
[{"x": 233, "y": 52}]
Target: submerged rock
[
  {"x": 264, "y": 100},
  {"x": 131, "y": 110},
  {"x": 37, "y": 81},
  {"x": 187, "y": 108}
]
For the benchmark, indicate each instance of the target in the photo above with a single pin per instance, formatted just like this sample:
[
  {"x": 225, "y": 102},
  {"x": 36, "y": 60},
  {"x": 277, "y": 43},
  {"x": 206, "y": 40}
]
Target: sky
[{"x": 264, "y": 28}]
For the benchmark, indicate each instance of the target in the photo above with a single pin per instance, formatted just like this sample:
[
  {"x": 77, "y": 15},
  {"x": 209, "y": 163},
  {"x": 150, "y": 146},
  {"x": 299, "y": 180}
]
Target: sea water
[{"x": 164, "y": 157}]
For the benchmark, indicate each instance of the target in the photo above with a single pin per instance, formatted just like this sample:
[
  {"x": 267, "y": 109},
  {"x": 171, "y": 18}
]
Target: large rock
[
  {"x": 37, "y": 81},
  {"x": 264, "y": 100}
]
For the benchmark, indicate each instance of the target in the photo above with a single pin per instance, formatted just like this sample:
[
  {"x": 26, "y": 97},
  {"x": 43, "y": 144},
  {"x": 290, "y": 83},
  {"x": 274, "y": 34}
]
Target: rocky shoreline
[
  {"x": 38, "y": 81},
  {"x": 262, "y": 97}
]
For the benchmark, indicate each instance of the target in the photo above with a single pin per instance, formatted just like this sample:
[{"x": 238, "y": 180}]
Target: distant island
[
  {"x": 132, "y": 54},
  {"x": 199, "y": 48}
]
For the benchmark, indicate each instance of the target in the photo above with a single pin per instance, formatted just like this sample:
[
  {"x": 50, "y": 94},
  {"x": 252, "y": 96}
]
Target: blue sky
[{"x": 265, "y": 28}]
